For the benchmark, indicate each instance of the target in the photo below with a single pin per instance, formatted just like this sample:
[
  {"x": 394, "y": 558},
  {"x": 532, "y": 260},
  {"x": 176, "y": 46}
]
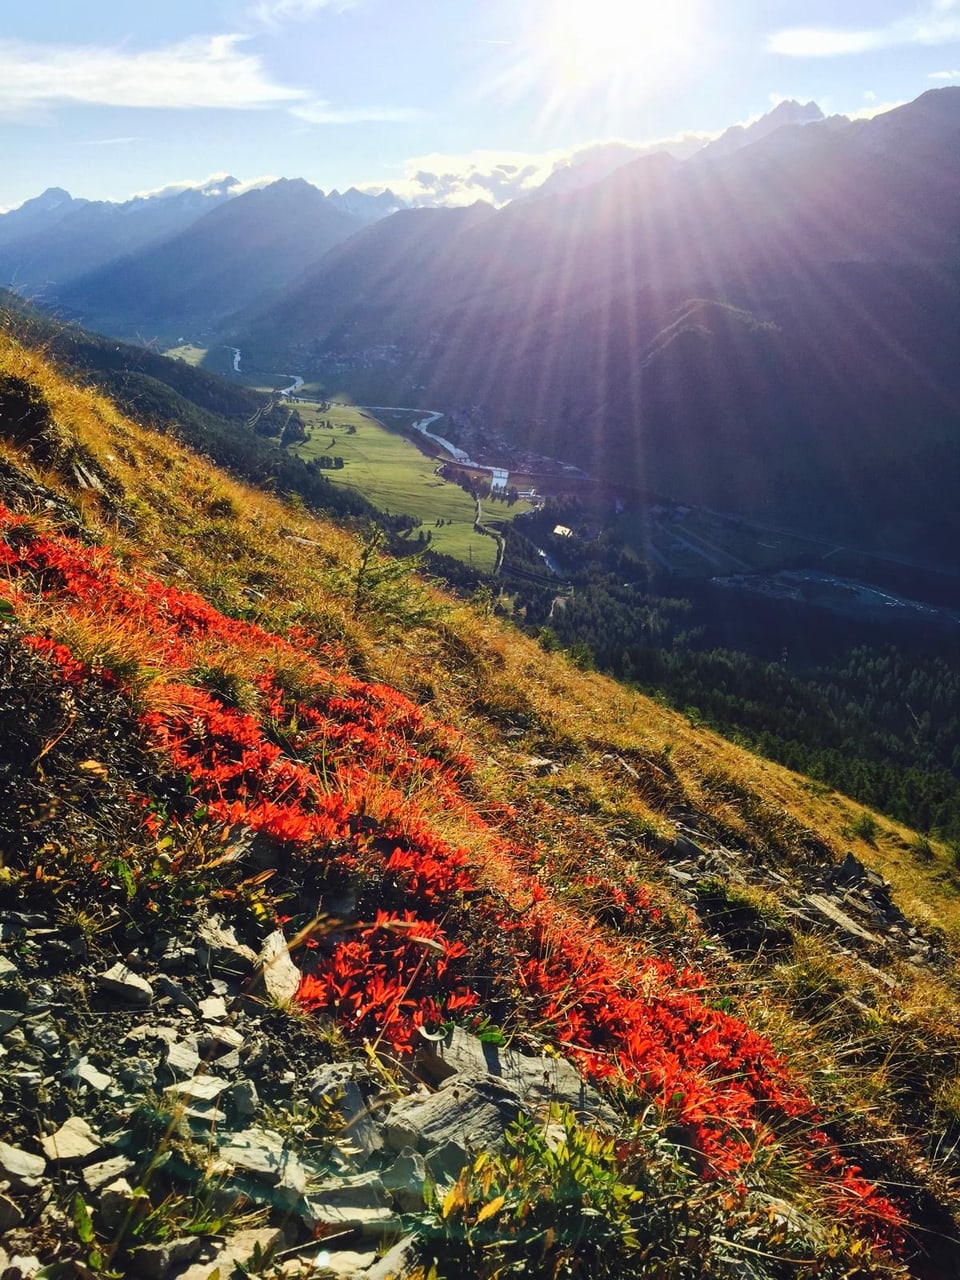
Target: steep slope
[{"x": 230, "y": 707}]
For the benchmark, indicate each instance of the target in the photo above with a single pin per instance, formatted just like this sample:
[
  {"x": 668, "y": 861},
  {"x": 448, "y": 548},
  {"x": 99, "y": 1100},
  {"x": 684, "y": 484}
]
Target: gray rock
[
  {"x": 73, "y": 1141},
  {"x": 369, "y": 1224},
  {"x": 97, "y": 1176},
  {"x": 213, "y": 1009},
  {"x": 129, "y": 986},
  {"x": 218, "y": 1039},
  {"x": 86, "y": 1073},
  {"x": 138, "y": 1074},
  {"x": 227, "y": 1063},
  {"x": 447, "y": 1162},
  {"x": 362, "y": 1191},
  {"x": 342, "y": 1264},
  {"x": 830, "y": 913},
  {"x": 7, "y": 967},
  {"x": 258, "y": 1152},
  {"x": 182, "y": 1059},
  {"x": 22, "y": 1267},
  {"x": 280, "y": 976},
  {"x": 342, "y": 1081},
  {"x": 537, "y": 1081},
  {"x": 115, "y": 1203},
  {"x": 176, "y": 955},
  {"x": 8, "y": 1020},
  {"x": 203, "y": 1115},
  {"x": 45, "y": 1035},
  {"x": 136, "y": 1036},
  {"x": 238, "y": 1251},
  {"x": 221, "y": 950},
  {"x": 398, "y": 1261},
  {"x": 404, "y": 1180},
  {"x": 244, "y": 1098},
  {"x": 174, "y": 992},
  {"x": 156, "y": 1261},
  {"x": 471, "y": 1110},
  {"x": 11, "y": 1215},
  {"x": 205, "y": 1088}
]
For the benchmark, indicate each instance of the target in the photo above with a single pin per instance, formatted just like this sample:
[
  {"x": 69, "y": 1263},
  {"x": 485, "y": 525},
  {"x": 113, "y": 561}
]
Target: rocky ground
[{"x": 182, "y": 1064}]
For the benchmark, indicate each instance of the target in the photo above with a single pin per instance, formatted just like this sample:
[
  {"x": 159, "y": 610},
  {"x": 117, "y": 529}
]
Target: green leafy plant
[{"x": 551, "y": 1202}]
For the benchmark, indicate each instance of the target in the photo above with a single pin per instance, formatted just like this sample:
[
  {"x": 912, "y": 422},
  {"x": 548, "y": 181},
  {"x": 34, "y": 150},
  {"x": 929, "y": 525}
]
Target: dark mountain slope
[
  {"x": 837, "y": 376},
  {"x": 244, "y": 250}
]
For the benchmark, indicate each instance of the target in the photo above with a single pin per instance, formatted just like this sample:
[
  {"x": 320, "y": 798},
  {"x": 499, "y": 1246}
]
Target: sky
[{"x": 437, "y": 99}]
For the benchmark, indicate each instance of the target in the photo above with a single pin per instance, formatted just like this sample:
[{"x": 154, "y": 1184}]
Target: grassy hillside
[{"x": 229, "y": 705}]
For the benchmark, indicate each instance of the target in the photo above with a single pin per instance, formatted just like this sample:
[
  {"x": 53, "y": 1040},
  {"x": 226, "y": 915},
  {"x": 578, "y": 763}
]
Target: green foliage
[
  {"x": 562, "y": 1200},
  {"x": 865, "y": 827},
  {"x": 552, "y": 1203},
  {"x": 385, "y": 587}
]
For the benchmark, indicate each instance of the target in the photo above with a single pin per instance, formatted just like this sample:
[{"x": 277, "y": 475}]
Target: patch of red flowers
[{"x": 350, "y": 774}]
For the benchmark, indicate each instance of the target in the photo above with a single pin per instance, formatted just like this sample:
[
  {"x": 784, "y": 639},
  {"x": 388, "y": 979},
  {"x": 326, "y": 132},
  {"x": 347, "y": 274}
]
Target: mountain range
[
  {"x": 769, "y": 330},
  {"x": 767, "y": 327},
  {"x": 56, "y": 247}
]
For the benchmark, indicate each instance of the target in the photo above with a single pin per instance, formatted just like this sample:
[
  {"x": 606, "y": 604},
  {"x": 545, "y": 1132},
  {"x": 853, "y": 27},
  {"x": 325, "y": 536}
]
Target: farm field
[{"x": 395, "y": 476}]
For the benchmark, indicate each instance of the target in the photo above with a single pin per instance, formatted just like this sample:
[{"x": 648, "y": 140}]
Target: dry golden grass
[{"x": 626, "y": 763}]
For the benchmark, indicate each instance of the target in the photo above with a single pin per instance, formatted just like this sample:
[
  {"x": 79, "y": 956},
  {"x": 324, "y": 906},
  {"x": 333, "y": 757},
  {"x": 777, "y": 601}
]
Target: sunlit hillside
[{"x": 217, "y": 706}]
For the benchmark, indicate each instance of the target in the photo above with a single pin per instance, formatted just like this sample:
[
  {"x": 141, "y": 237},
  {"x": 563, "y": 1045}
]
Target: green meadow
[{"x": 389, "y": 470}]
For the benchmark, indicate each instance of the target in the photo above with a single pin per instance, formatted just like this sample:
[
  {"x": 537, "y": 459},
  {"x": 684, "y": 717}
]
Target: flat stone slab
[
  {"x": 205, "y": 1088},
  {"x": 328, "y": 1264},
  {"x": 213, "y": 1009},
  {"x": 123, "y": 982},
  {"x": 183, "y": 1060},
  {"x": 262, "y": 1154},
  {"x": 238, "y": 1251},
  {"x": 92, "y": 1076},
  {"x": 369, "y": 1224},
  {"x": 74, "y": 1140},
  {"x": 21, "y": 1168},
  {"x": 471, "y": 1110},
  {"x": 97, "y": 1176},
  {"x": 831, "y": 913},
  {"x": 537, "y": 1080}
]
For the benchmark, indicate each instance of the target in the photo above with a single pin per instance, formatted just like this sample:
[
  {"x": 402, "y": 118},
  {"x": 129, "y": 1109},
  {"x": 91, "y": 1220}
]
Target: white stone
[
  {"x": 20, "y": 1167},
  {"x": 281, "y": 977},
  {"x": 204, "y": 1088},
  {"x": 123, "y": 982}
]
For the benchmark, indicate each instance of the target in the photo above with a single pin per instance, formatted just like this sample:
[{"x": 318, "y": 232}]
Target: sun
[{"x": 625, "y": 48}]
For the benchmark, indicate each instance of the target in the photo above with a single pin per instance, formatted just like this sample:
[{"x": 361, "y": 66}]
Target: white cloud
[
  {"x": 110, "y": 142},
  {"x": 213, "y": 184},
  {"x": 944, "y": 75},
  {"x": 204, "y": 71},
  {"x": 875, "y": 109},
  {"x": 935, "y": 23},
  {"x": 272, "y": 12},
  {"x": 501, "y": 176},
  {"x": 322, "y": 113}
]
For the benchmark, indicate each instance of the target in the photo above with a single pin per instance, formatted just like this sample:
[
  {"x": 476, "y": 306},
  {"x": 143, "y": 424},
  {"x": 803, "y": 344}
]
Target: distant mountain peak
[
  {"x": 52, "y": 198},
  {"x": 786, "y": 114}
]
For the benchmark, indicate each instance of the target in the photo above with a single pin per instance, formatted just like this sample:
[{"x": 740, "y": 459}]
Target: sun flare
[{"x": 624, "y": 50}]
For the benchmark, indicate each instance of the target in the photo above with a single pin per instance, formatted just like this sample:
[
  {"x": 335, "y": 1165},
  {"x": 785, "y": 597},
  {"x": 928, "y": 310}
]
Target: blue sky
[{"x": 109, "y": 97}]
